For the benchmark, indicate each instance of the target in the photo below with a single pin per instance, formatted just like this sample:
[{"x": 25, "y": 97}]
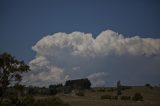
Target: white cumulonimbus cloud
[
  {"x": 106, "y": 43},
  {"x": 58, "y": 54}
]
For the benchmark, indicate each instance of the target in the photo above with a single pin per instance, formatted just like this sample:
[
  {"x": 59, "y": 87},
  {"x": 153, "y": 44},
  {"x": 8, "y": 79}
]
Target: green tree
[{"x": 10, "y": 72}]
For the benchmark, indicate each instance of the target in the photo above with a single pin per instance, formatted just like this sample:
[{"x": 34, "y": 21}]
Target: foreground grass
[
  {"x": 151, "y": 98},
  {"x": 93, "y": 98},
  {"x": 33, "y": 101}
]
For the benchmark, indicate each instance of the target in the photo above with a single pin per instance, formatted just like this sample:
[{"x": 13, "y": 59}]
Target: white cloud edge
[{"x": 106, "y": 43}]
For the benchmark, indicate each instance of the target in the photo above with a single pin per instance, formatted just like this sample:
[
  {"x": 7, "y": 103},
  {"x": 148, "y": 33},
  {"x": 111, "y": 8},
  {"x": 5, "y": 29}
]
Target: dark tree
[
  {"x": 119, "y": 88},
  {"x": 10, "y": 72},
  {"x": 149, "y": 86},
  {"x": 79, "y": 84},
  {"x": 52, "y": 89}
]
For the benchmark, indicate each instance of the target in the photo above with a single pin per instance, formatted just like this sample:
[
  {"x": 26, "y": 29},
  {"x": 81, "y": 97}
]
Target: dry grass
[{"x": 151, "y": 98}]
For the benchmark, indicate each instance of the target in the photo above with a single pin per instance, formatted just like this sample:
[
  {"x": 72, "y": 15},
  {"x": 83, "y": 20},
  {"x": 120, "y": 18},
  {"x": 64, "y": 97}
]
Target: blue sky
[{"x": 25, "y": 22}]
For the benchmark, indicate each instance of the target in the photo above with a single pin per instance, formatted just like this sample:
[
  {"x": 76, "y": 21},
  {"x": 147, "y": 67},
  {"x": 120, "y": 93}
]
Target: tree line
[{"x": 53, "y": 89}]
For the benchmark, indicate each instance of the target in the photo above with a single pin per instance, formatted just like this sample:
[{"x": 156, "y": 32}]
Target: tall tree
[
  {"x": 10, "y": 72},
  {"x": 119, "y": 88}
]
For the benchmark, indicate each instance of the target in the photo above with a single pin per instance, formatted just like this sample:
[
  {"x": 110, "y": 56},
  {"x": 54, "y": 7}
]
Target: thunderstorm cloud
[{"x": 104, "y": 59}]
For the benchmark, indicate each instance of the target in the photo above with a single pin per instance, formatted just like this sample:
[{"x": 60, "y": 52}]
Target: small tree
[
  {"x": 10, "y": 72},
  {"x": 119, "y": 88},
  {"x": 149, "y": 86}
]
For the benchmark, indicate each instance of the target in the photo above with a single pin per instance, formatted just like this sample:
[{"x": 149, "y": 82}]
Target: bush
[
  {"x": 106, "y": 97},
  {"x": 125, "y": 98},
  {"x": 54, "y": 101},
  {"x": 137, "y": 97},
  {"x": 149, "y": 86}
]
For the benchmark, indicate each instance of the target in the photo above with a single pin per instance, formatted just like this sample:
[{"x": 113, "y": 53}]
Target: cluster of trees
[
  {"x": 79, "y": 84},
  {"x": 22, "y": 90}
]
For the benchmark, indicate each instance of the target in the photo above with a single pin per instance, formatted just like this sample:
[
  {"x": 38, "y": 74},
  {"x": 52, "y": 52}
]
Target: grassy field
[{"x": 151, "y": 97}]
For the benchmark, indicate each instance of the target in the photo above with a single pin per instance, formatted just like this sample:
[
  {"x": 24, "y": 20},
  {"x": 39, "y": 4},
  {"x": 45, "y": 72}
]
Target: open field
[{"x": 93, "y": 98}]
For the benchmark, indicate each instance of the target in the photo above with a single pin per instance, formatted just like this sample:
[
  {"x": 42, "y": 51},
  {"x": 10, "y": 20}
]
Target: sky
[{"x": 103, "y": 40}]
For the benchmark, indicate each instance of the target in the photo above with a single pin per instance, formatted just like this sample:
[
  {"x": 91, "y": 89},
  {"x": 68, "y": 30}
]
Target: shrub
[
  {"x": 137, "y": 97},
  {"x": 106, "y": 97},
  {"x": 149, "y": 86},
  {"x": 54, "y": 101},
  {"x": 125, "y": 97}
]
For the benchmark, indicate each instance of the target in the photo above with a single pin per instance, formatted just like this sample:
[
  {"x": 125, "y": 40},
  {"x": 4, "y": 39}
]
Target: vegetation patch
[
  {"x": 137, "y": 97},
  {"x": 125, "y": 97}
]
